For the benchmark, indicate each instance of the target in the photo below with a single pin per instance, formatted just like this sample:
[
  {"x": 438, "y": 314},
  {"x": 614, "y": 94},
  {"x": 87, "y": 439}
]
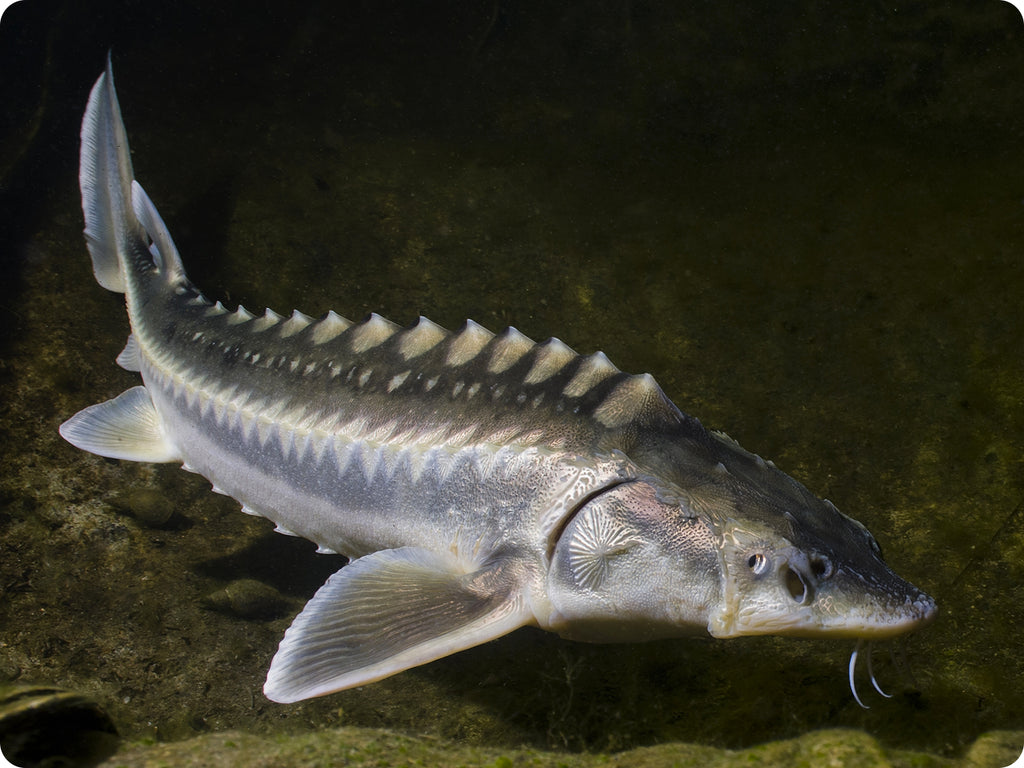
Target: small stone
[
  {"x": 248, "y": 599},
  {"x": 149, "y": 506}
]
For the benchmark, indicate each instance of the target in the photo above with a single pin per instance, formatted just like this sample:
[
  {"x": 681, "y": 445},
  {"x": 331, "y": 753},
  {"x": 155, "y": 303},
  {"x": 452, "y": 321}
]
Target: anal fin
[
  {"x": 127, "y": 427},
  {"x": 390, "y": 611}
]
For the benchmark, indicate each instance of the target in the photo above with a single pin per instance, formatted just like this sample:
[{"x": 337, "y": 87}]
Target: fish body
[{"x": 477, "y": 482}]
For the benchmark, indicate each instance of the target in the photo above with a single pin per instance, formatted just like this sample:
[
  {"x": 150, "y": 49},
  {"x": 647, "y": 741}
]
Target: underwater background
[{"x": 805, "y": 219}]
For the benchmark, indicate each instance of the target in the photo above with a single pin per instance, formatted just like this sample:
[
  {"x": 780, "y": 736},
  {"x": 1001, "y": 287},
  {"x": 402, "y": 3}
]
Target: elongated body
[{"x": 477, "y": 482}]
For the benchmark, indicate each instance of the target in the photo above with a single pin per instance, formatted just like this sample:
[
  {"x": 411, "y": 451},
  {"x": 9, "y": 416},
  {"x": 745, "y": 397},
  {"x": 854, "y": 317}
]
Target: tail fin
[
  {"x": 120, "y": 221},
  {"x": 129, "y": 243}
]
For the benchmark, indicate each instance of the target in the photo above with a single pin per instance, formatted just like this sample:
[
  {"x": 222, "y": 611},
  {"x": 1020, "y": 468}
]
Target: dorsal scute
[
  {"x": 505, "y": 371},
  {"x": 467, "y": 344},
  {"x": 329, "y": 327},
  {"x": 372, "y": 332},
  {"x": 215, "y": 310},
  {"x": 420, "y": 338},
  {"x": 632, "y": 398},
  {"x": 270, "y": 319},
  {"x": 507, "y": 349},
  {"x": 297, "y": 322},
  {"x": 549, "y": 358},
  {"x": 593, "y": 369},
  {"x": 240, "y": 315}
]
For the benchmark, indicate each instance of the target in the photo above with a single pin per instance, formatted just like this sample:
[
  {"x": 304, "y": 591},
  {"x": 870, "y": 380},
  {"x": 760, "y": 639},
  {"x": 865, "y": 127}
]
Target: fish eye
[{"x": 758, "y": 563}]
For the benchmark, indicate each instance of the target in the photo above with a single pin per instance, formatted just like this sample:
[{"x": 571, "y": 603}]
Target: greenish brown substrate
[{"x": 360, "y": 746}]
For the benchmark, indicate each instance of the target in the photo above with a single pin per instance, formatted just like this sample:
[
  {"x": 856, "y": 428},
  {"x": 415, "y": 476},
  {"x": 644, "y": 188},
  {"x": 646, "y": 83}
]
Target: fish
[{"x": 477, "y": 482}]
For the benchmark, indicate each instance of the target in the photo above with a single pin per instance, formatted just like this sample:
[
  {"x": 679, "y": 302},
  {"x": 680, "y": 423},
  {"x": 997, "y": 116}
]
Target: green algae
[{"x": 351, "y": 746}]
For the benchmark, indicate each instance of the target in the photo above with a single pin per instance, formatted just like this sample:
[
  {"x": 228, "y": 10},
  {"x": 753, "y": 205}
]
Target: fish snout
[{"x": 874, "y": 608}]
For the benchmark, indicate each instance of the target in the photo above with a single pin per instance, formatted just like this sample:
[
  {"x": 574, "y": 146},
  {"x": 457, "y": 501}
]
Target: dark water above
[{"x": 807, "y": 224}]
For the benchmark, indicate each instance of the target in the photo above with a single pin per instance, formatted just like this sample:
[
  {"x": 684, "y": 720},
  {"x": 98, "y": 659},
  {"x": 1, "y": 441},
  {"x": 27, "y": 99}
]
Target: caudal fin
[
  {"x": 130, "y": 245},
  {"x": 121, "y": 224}
]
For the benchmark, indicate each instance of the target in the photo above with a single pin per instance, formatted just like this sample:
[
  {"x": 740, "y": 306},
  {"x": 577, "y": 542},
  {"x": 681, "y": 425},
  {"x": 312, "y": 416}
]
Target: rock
[
  {"x": 43, "y": 726},
  {"x": 840, "y": 748},
  {"x": 248, "y": 599},
  {"x": 149, "y": 506},
  {"x": 995, "y": 749}
]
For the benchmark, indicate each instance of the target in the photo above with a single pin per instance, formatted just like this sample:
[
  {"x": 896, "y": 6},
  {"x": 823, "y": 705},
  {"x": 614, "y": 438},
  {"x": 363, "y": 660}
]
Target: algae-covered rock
[
  {"x": 996, "y": 748},
  {"x": 248, "y": 599},
  {"x": 45, "y": 726},
  {"x": 836, "y": 748}
]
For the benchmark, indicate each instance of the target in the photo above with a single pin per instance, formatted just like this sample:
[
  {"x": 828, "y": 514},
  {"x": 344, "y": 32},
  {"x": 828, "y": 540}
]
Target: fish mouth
[{"x": 878, "y": 621}]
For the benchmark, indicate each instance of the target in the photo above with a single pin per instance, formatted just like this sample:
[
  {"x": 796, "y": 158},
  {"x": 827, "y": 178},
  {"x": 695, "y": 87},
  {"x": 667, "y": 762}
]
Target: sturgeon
[{"x": 477, "y": 482}]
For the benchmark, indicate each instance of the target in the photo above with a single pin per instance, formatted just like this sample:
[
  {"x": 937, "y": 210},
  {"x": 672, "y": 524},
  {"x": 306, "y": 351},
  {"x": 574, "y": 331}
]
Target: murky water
[{"x": 809, "y": 232}]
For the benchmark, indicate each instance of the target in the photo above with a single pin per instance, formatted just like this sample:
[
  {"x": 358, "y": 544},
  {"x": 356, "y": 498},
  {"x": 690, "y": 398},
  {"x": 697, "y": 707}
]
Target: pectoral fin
[
  {"x": 127, "y": 427},
  {"x": 390, "y": 611}
]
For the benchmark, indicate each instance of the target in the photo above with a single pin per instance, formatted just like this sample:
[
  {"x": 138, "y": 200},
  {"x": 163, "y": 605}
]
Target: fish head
[
  {"x": 732, "y": 546},
  {"x": 822, "y": 579},
  {"x": 792, "y": 563}
]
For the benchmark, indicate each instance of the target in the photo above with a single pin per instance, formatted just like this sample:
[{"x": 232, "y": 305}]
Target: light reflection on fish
[{"x": 478, "y": 482}]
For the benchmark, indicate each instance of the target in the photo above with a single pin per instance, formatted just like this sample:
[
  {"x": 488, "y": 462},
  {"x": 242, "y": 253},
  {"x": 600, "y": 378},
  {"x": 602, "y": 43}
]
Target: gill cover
[{"x": 633, "y": 564}]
